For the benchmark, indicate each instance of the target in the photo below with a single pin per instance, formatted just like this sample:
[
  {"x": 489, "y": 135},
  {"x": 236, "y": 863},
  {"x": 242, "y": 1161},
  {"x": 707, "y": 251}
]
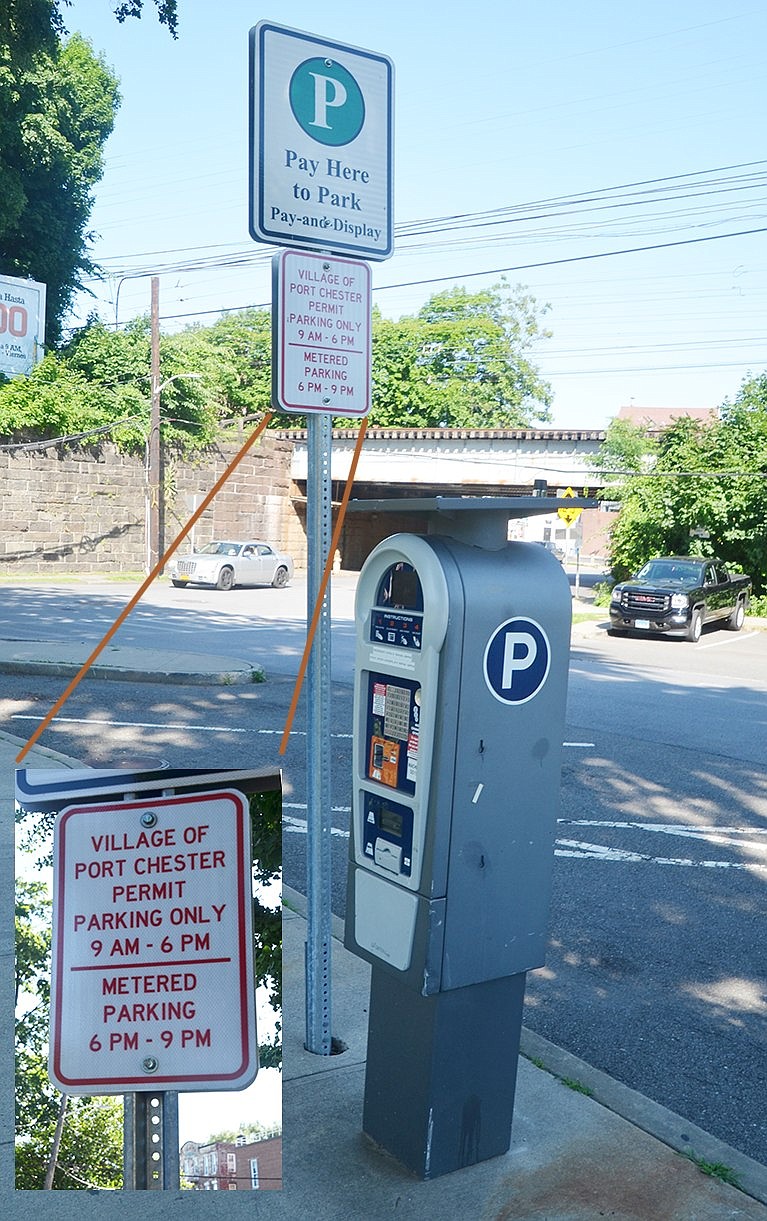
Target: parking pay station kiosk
[{"x": 459, "y": 707}]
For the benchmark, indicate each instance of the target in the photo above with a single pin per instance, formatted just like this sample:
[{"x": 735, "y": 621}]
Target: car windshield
[
  {"x": 220, "y": 549},
  {"x": 677, "y": 571}
]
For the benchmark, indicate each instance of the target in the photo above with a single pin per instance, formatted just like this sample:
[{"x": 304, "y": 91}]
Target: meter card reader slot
[{"x": 388, "y": 833}]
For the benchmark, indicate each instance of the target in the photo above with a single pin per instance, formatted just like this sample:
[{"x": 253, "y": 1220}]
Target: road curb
[
  {"x": 658, "y": 1121},
  {"x": 64, "y": 669}
]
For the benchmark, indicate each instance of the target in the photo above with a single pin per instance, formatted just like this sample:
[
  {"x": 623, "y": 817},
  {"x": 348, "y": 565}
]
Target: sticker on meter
[{"x": 517, "y": 659}]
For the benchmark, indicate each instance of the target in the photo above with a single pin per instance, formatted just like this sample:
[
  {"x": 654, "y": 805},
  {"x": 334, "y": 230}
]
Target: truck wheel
[
  {"x": 735, "y": 621},
  {"x": 225, "y": 579},
  {"x": 695, "y": 626}
]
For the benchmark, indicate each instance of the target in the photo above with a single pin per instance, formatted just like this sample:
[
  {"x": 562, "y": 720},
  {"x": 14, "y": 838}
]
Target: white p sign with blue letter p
[{"x": 517, "y": 660}]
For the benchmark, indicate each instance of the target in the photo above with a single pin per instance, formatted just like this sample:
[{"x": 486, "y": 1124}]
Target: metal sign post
[
  {"x": 321, "y": 139},
  {"x": 150, "y": 1142},
  {"x": 318, "y": 926}
]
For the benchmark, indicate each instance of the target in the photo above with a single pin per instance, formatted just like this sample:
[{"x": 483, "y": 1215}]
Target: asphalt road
[{"x": 656, "y": 968}]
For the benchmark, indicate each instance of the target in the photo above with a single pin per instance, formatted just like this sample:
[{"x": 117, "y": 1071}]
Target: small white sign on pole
[
  {"x": 321, "y": 334},
  {"x": 153, "y": 983},
  {"x": 22, "y": 325}
]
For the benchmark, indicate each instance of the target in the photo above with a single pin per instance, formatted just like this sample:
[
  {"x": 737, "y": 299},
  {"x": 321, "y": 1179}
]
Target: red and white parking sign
[{"x": 153, "y": 982}]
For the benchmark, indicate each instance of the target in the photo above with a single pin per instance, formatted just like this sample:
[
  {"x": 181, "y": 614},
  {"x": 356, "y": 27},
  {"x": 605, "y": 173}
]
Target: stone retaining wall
[{"x": 85, "y": 510}]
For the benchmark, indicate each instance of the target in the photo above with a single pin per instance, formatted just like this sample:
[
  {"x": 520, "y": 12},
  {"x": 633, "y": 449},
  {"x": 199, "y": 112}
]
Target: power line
[{"x": 496, "y": 271}]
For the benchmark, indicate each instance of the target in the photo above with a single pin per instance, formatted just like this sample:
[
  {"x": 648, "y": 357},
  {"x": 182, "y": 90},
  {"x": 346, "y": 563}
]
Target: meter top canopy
[
  {"x": 480, "y": 520},
  {"x": 512, "y": 506}
]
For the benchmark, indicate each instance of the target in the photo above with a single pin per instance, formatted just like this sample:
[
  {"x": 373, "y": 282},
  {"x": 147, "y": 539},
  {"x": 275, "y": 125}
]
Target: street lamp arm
[{"x": 173, "y": 378}]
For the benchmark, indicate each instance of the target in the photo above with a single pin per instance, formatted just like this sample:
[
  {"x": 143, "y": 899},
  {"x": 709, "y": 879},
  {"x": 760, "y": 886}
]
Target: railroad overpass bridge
[{"x": 411, "y": 462}]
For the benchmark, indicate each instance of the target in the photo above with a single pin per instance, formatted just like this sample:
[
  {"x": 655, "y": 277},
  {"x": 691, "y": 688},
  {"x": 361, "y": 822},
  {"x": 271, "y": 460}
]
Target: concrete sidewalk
[
  {"x": 574, "y": 1156},
  {"x": 61, "y": 659}
]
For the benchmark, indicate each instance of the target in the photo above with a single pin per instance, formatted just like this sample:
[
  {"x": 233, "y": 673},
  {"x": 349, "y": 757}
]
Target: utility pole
[{"x": 154, "y": 472}]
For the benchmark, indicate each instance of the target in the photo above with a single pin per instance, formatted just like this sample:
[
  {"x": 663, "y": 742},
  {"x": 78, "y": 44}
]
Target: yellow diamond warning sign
[{"x": 569, "y": 516}]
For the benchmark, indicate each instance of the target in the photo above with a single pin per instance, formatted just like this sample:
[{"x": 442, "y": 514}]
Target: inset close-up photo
[{"x": 148, "y": 980}]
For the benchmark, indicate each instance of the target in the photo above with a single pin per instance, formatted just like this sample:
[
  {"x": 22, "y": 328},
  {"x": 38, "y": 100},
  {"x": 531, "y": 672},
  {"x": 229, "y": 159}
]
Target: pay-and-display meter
[
  {"x": 460, "y": 686},
  {"x": 459, "y": 706}
]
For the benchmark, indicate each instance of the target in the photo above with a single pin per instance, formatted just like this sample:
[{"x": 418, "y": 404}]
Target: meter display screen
[
  {"x": 391, "y": 822},
  {"x": 397, "y": 617},
  {"x": 393, "y": 724},
  {"x": 400, "y": 588}
]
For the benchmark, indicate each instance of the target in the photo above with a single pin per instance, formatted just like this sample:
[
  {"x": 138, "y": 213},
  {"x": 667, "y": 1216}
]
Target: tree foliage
[
  {"x": 266, "y": 834},
  {"x": 699, "y": 489},
  {"x": 461, "y": 362},
  {"x": 90, "y": 1153},
  {"x": 58, "y": 101},
  {"x": 57, "y": 106}
]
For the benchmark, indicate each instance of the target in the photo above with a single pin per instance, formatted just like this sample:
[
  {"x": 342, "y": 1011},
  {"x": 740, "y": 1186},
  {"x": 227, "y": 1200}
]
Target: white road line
[
  {"x": 577, "y": 849},
  {"x": 300, "y": 733},
  {"x": 64, "y": 720},
  {"x": 733, "y": 639},
  {"x": 712, "y": 835}
]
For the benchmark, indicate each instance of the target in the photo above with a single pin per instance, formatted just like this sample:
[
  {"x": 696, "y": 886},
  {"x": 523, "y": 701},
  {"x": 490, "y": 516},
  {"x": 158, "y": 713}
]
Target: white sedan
[{"x": 226, "y": 564}]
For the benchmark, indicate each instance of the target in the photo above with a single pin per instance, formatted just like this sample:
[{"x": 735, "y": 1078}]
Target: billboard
[{"x": 22, "y": 325}]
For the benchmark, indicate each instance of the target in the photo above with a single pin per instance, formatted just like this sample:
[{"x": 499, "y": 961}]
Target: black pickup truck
[{"x": 678, "y": 594}]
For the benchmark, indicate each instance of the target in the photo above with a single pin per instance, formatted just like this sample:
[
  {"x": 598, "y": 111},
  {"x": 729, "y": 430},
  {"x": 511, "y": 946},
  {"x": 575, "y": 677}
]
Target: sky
[{"x": 533, "y": 141}]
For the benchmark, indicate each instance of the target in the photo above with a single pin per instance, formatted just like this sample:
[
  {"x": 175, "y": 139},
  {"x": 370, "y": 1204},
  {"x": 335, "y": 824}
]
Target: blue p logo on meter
[{"x": 517, "y": 660}]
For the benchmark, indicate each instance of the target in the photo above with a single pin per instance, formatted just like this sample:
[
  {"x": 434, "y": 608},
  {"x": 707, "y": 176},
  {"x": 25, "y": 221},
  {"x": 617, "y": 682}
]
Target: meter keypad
[{"x": 393, "y": 731}]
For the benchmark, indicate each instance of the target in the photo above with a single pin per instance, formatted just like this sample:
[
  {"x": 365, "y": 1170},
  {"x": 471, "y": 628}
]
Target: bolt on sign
[{"x": 153, "y": 984}]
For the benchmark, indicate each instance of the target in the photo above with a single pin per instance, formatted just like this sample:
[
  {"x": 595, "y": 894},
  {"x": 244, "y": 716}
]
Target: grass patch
[
  {"x": 577, "y": 1086},
  {"x": 716, "y": 1170}
]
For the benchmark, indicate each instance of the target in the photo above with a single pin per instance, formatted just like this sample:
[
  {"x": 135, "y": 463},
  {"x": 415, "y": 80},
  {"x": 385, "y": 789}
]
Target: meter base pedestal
[{"x": 441, "y": 1071}]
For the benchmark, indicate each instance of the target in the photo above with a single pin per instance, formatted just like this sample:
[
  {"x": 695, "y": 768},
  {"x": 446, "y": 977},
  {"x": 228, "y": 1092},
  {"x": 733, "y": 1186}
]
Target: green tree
[
  {"x": 90, "y": 1152},
  {"x": 58, "y": 101},
  {"x": 463, "y": 361},
  {"x": 266, "y": 839},
  {"x": 101, "y": 379},
  {"x": 699, "y": 489},
  {"x": 57, "y": 104},
  {"x": 235, "y": 353}
]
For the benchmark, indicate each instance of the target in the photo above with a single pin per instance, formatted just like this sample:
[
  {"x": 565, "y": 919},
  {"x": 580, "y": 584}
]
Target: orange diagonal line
[
  {"x": 323, "y": 587},
  {"x": 137, "y": 596}
]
